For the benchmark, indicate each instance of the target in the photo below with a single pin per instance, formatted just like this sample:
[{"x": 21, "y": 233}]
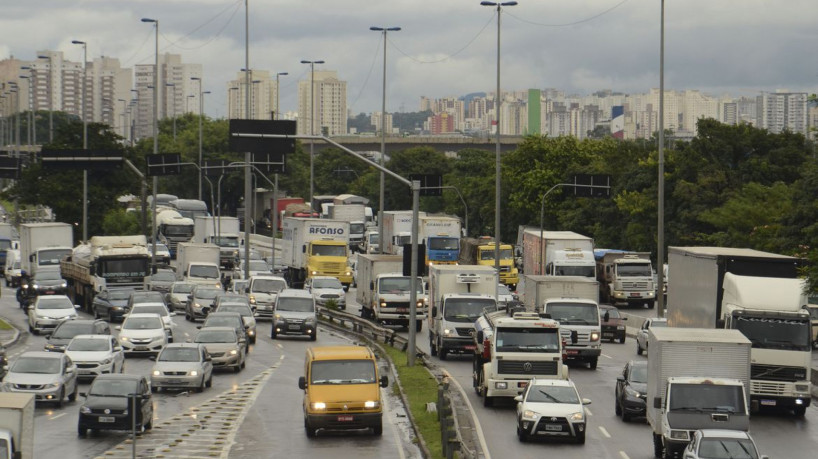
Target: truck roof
[
  {"x": 728, "y": 251},
  {"x": 699, "y": 334},
  {"x": 767, "y": 293},
  {"x": 341, "y": 353}
]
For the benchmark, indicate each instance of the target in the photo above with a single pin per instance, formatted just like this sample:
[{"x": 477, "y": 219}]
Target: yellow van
[{"x": 342, "y": 389}]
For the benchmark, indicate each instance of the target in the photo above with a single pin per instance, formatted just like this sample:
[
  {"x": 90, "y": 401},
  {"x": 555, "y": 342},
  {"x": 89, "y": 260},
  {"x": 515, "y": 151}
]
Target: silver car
[
  {"x": 294, "y": 313},
  {"x": 182, "y": 365},
  {"x": 222, "y": 343},
  {"x": 95, "y": 355},
  {"x": 325, "y": 289},
  {"x": 246, "y": 315},
  {"x": 642, "y": 333},
  {"x": 49, "y": 311},
  {"x": 718, "y": 443},
  {"x": 50, "y": 376},
  {"x": 176, "y": 298}
]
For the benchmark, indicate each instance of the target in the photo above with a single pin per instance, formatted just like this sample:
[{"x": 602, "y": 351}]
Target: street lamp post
[
  {"x": 28, "y": 103},
  {"x": 278, "y": 116},
  {"x": 155, "y": 137},
  {"x": 312, "y": 125},
  {"x": 199, "y": 80},
  {"x": 497, "y": 101},
  {"x": 381, "y": 193},
  {"x": 84, "y": 137},
  {"x": 660, "y": 252},
  {"x": 50, "y": 98},
  {"x": 173, "y": 85},
  {"x": 124, "y": 117}
]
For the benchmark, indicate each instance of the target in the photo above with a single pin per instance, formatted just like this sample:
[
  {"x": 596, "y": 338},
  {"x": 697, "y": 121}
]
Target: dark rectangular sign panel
[
  {"x": 592, "y": 186},
  {"x": 249, "y": 136},
  {"x": 164, "y": 164},
  {"x": 9, "y": 167}
]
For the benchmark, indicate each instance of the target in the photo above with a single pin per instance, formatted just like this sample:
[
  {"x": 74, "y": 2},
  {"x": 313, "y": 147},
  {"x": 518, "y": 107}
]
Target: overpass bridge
[{"x": 365, "y": 143}]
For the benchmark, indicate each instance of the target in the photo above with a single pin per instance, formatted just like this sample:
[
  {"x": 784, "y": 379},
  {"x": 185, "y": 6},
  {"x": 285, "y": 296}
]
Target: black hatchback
[
  {"x": 631, "y": 390},
  {"x": 109, "y": 404}
]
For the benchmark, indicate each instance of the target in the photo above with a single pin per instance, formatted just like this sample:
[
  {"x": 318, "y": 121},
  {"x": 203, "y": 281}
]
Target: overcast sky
[{"x": 445, "y": 47}]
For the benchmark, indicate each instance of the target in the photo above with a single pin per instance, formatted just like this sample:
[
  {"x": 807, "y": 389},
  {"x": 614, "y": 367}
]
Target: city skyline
[{"x": 721, "y": 47}]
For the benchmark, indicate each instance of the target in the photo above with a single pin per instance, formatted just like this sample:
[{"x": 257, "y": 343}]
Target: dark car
[
  {"x": 230, "y": 298},
  {"x": 631, "y": 390},
  {"x": 66, "y": 331},
  {"x": 109, "y": 401},
  {"x": 613, "y": 324},
  {"x": 161, "y": 281},
  {"x": 112, "y": 304},
  {"x": 48, "y": 283},
  {"x": 145, "y": 296},
  {"x": 228, "y": 319}
]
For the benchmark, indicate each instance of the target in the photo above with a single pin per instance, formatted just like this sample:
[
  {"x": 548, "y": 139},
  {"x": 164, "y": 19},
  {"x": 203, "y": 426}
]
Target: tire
[
  {"x": 31, "y": 329},
  {"x": 622, "y": 339},
  {"x": 61, "y": 399},
  {"x": 73, "y": 396},
  {"x": 488, "y": 402},
  {"x": 432, "y": 347},
  {"x": 237, "y": 369},
  {"x": 581, "y": 438},
  {"x": 82, "y": 430},
  {"x": 314, "y": 336},
  {"x": 209, "y": 382},
  {"x": 658, "y": 448},
  {"x": 626, "y": 417},
  {"x": 110, "y": 316},
  {"x": 617, "y": 408},
  {"x": 800, "y": 411},
  {"x": 149, "y": 425},
  {"x": 253, "y": 340},
  {"x": 309, "y": 430},
  {"x": 201, "y": 387},
  {"x": 96, "y": 313},
  {"x": 273, "y": 333},
  {"x": 187, "y": 317},
  {"x": 243, "y": 364},
  {"x": 639, "y": 349},
  {"x": 593, "y": 363},
  {"x": 154, "y": 389},
  {"x": 378, "y": 430},
  {"x": 522, "y": 435},
  {"x": 443, "y": 352}
]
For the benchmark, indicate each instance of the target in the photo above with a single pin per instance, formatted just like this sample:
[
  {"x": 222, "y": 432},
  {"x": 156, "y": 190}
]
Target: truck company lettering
[{"x": 326, "y": 231}]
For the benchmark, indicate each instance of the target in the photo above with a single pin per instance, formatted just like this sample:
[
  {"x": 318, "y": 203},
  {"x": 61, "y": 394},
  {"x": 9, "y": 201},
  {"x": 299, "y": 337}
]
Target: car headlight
[
  {"x": 383, "y": 303},
  {"x": 35, "y": 286},
  {"x": 233, "y": 351},
  {"x": 251, "y": 332},
  {"x": 319, "y": 406},
  {"x": 157, "y": 373},
  {"x": 106, "y": 361},
  {"x": 197, "y": 305},
  {"x": 530, "y": 415},
  {"x": 116, "y": 308},
  {"x": 64, "y": 284},
  {"x": 594, "y": 336},
  {"x": 123, "y": 338},
  {"x": 194, "y": 373},
  {"x": 578, "y": 416},
  {"x": 85, "y": 410},
  {"x": 631, "y": 392},
  {"x": 446, "y": 331},
  {"x": 278, "y": 316},
  {"x": 51, "y": 385},
  {"x": 371, "y": 404},
  {"x": 252, "y": 299},
  {"x": 502, "y": 385},
  {"x": 679, "y": 435},
  {"x": 310, "y": 321},
  {"x": 51, "y": 347}
]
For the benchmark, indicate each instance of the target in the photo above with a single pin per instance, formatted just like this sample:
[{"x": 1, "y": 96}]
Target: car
[
  {"x": 96, "y": 355},
  {"x": 277, "y": 265},
  {"x": 160, "y": 281},
  {"x": 200, "y": 301},
  {"x": 262, "y": 292},
  {"x": 231, "y": 298},
  {"x": 613, "y": 323},
  {"x": 49, "y": 311},
  {"x": 222, "y": 343},
  {"x": 142, "y": 334},
  {"x": 246, "y": 314},
  {"x": 111, "y": 304},
  {"x": 176, "y": 297},
  {"x": 642, "y": 333},
  {"x": 145, "y": 296},
  {"x": 228, "y": 319},
  {"x": 294, "y": 313},
  {"x": 48, "y": 282},
  {"x": 325, "y": 289},
  {"x": 551, "y": 408},
  {"x": 630, "y": 395},
  {"x": 721, "y": 444},
  {"x": 182, "y": 365},
  {"x": 162, "y": 310},
  {"x": 67, "y": 330},
  {"x": 49, "y": 376},
  {"x": 505, "y": 295},
  {"x": 108, "y": 399},
  {"x": 13, "y": 268},
  {"x": 257, "y": 268},
  {"x": 162, "y": 254}
]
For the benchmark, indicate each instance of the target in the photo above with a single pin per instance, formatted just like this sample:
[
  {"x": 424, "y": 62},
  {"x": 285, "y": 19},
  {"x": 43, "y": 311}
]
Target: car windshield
[
  {"x": 147, "y": 297},
  {"x": 216, "y": 336},
  {"x": 574, "y": 313},
  {"x": 226, "y": 241},
  {"x": 47, "y": 275},
  {"x": 204, "y": 271},
  {"x": 268, "y": 285},
  {"x": 329, "y": 250},
  {"x": 259, "y": 265},
  {"x": 295, "y": 304},
  {"x": 444, "y": 243},
  {"x": 638, "y": 374},
  {"x": 207, "y": 293},
  {"x": 658, "y": 323},
  {"x": 398, "y": 285},
  {"x": 181, "y": 288},
  {"x": 503, "y": 290},
  {"x": 54, "y": 303},
  {"x": 612, "y": 313},
  {"x": 342, "y": 372},
  {"x": 142, "y": 323},
  {"x": 150, "y": 309},
  {"x": 164, "y": 276},
  {"x": 161, "y": 247},
  {"x": 88, "y": 344},
  {"x": 467, "y": 309},
  {"x": 221, "y": 321},
  {"x": 535, "y": 339},
  {"x": 119, "y": 294},
  {"x": 327, "y": 283},
  {"x": 242, "y": 309},
  {"x": 179, "y": 354},
  {"x": 52, "y": 257},
  {"x": 113, "y": 387},
  {"x": 727, "y": 448},
  {"x": 39, "y": 365},
  {"x": 71, "y": 328},
  {"x": 553, "y": 394}
]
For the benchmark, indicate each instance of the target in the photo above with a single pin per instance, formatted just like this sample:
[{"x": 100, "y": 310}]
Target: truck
[
  {"x": 198, "y": 263},
  {"x": 573, "y": 302},
  {"x": 480, "y": 251},
  {"x": 105, "y": 262},
  {"x": 759, "y": 294},
  {"x": 315, "y": 247},
  {"x": 280, "y": 205},
  {"x": 42, "y": 245},
  {"x": 190, "y": 208},
  {"x": 625, "y": 278},
  {"x": 458, "y": 296},
  {"x": 441, "y": 235},
  {"x": 371, "y": 242},
  {"x": 223, "y": 232},
  {"x": 556, "y": 253},
  {"x": 355, "y": 214},
  {"x": 397, "y": 230},
  {"x": 697, "y": 379},
  {"x": 16, "y": 425},
  {"x": 172, "y": 228},
  {"x": 8, "y": 241},
  {"x": 383, "y": 291},
  {"x": 510, "y": 350}
]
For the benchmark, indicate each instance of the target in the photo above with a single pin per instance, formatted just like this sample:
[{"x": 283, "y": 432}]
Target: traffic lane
[{"x": 274, "y": 425}]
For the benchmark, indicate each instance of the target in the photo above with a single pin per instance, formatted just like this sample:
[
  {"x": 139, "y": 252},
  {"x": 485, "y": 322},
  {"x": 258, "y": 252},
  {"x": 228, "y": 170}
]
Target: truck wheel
[
  {"x": 800, "y": 411},
  {"x": 658, "y": 448},
  {"x": 377, "y": 430},
  {"x": 309, "y": 430},
  {"x": 522, "y": 435},
  {"x": 487, "y": 401},
  {"x": 581, "y": 438},
  {"x": 418, "y": 325},
  {"x": 432, "y": 348},
  {"x": 82, "y": 430},
  {"x": 593, "y": 362},
  {"x": 639, "y": 349},
  {"x": 442, "y": 352},
  {"x": 622, "y": 339}
]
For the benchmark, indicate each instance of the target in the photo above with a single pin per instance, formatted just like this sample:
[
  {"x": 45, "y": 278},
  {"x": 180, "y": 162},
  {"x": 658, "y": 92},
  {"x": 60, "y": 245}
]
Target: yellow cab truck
[
  {"x": 342, "y": 389},
  {"x": 480, "y": 251},
  {"x": 315, "y": 247}
]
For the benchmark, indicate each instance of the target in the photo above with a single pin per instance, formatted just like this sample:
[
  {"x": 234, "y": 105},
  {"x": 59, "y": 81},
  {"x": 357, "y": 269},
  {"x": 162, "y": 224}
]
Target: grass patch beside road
[
  {"x": 5, "y": 325},
  {"x": 420, "y": 388}
]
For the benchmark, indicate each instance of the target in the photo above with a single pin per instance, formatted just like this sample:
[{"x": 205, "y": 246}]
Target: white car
[
  {"x": 642, "y": 333},
  {"x": 262, "y": 292},
  {"x": 95, "y": 355},
  {"x": 48, "y": 311},
  {"x": 504, "y": 294},
  {"x": 718, "y": 444},
  {"x": 142, "y": 334},
  {"x": 157, "y": 308},
  {"x": 50, "y": 376},
  {"x": 551, "y": 408},
  {"x": 325, "y": 289},
  {"x": 182, "y": 365}
]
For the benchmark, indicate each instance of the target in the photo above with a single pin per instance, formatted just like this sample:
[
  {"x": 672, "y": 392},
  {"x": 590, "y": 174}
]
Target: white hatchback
[
  {"x": 325, "y": 289},
  {"x": 95, "y": 355},
  {"x": 48, "y": 311},
  {"x": 142, "y": 334}
]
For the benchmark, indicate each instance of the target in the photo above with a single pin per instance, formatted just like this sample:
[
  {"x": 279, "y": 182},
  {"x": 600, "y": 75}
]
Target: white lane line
[
  {"x": 623, "y": 455},
  {"x": 607, "y": 356},
  {"x": 604, "y": 432},
  {"x": 588, "y": 412},
  {"x": 56, "y": 416}
]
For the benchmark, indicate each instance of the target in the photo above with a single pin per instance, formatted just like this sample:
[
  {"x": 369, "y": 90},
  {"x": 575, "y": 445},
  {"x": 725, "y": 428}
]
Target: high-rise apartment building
[
  {"x": 175, "y": 85},
  {"x": 377, "y": 119},
  {"x": 329, "y": 108},
  {"x": 777, "y": 111},
  {"x": 262, "y": 96}
]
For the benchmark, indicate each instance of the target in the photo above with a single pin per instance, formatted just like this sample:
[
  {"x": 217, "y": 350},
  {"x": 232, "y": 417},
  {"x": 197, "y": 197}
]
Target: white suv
[
  {"x": 325, "y": 289},
  {"x": 262, "y": 292},
  {"x": 551, "y": 408}
]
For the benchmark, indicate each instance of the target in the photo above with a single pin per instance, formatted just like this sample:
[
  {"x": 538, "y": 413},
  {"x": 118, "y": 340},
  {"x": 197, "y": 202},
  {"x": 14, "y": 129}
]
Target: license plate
[
  {"x": 403, "y": 311},
  {"x": 345, "y": 418},
  {"x": 607, "y": 334},
  {"x": 553, "y": 427},
  {"x": 49, "y": 292},
  {"x": 768, "y": 402},
  {"x": 294, "y": 327},
  {"x": 106, "y": 419},
  {"x": 174, "y": 381},
  {"x": 469, "y": 348},
  {"x": 636, "y": 295},
  {"x": 572, "y": 352},
  {"x": 140, "y": 348}
]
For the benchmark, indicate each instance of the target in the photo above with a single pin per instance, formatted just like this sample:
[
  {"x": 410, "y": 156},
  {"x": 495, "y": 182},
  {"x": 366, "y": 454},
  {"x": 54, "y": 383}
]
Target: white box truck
[
  {"x": 355, "y": 215},
  {"x": 571, "y": 301},
  {"x": 315, "y": 247},
  {"x": 198, "y": 263},
  {"x": 397, "y": 230},
  {"x": 43, "y": 245},
  {"x": 441, "y": 235},
  {"x": 458, "y": 295},
  {"x": 759, "y": 294},
  {"x": 223, "y": 232},
  {"x": 16, "y": 425},
  {"x": 625, "y": 278},
  {"x": 556, "y": 253},
  {"x": 384, "y": 292},
  {"x": 697, "y": 379}
]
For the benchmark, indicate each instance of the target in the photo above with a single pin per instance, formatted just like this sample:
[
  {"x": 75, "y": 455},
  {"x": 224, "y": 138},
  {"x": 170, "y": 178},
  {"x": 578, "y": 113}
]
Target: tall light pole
[
  {"x": 173, "y": 85},
  {"x": 660, "y": 252},
  {"x": 124, "y": 117},
  {"x": 84, "y": 138},
  {"x": 278, "y": 116},
  {"x": 312, "y": 125},
  {"x": 30, "y": 119},
  {"x": 50, "y": 98},
  {"x": 497, "y": 101},
  {"x": 247, "y": 155},
  {"x": 383, "y": 30},
  {"x": 155, "y": 138},
  {"x": 201, "y": 109}
]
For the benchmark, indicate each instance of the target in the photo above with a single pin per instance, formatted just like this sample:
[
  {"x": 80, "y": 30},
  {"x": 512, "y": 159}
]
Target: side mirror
[
  {"x": 302, "y": 383},
  {"x": 480, "y": 336},
  {"x": 623, "y": 318},
  {"x": 69, "y": 370},
  {"x": 172, "y": 314},
  {"x": 118, "y": 327},
  {"x": 118, "y": 349},
  {"x": 208, "y": 359},
  {"x": 83, "y": 394},
  {"x": 372, "y": 285},
  {"x": 152, "y": 357},
  {"x": 586, "y": 401},
  {"x": 606, "y": 317},
  {"x": 620, "y": 378},
  {"x": 198, "y": 327},
  {"x": 76, "y": 306},
  {"x": 384, "y": 381},
  {"x": 48, "y": 336},
  {"x": 303, "y": 249},
  {"x": 518, "y": 398}
]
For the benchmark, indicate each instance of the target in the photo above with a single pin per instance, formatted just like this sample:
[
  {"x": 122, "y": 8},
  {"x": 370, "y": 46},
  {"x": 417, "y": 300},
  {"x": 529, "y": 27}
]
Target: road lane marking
[
  {"x": 623, "y": 455},
  {"x": 56, "y": 416},
  {"x": 604, "y": 432},
  {"x": 588, "y": 412},
  {"x": 607, "y": 356}
]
